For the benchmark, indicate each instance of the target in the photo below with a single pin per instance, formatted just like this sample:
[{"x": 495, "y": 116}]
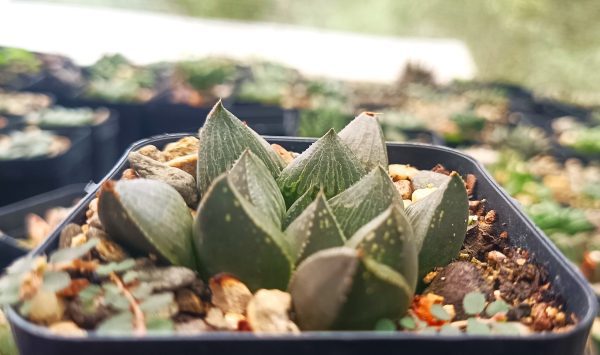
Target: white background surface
[{"x": 85, "y": 33}]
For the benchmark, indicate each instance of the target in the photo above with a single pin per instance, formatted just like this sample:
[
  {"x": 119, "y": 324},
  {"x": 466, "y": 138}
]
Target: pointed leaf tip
[
  {"x": 223, "y": 139},
  {"x": 254, "y": 181},
  {"x": 327, "y": 163},
  {"x": 364, "y": 136},
  {"x": 315, "y": 229},
  {"x": 364, "y": 200},
  {"x": 233, "y": 236},
  {"x": 440, "y": 224}
]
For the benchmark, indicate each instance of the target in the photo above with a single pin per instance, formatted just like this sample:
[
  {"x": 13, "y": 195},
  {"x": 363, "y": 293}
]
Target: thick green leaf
[
  {"x": 233, "y": 236},
  {"x": 326, "y": 164},
  {"x": 223, "y": 138},
  {"x": 389, "y": 240},
  {"x": 254, "y": 181},
  {"x": 360, "y": 291},
  {"x": 377, "y": 292},
  {"x": 440, "y": 224},
  {"x": 55, "y": 281},
  {"x": 148, "y": 216},
  {"x": 299, "y": 206},
  {"x": 365, "y": 200},
  {"x": 426, "y": 179},
  {"x": 364, "y": 137},
  {"x": 315, "y": 229},
  {"x": 68, "y": 254}
]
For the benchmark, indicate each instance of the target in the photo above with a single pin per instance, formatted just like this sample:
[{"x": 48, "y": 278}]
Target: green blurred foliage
[{"x": 549, "y": 45}]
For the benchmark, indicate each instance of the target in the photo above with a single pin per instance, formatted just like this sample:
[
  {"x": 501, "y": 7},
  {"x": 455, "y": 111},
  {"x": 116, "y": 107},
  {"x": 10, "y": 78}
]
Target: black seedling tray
[
  {"x": 24, "y": 178},
  {"x": 162, "y": 116},
  {"x": 10, "y": 250},
  {"x": 268, "y": 119},
  {"x": 33, "y": 339},
  {"x": 12, "y": 218},
  {"x": 130, "y": 117},
  {"x": 105, "y": 142}
]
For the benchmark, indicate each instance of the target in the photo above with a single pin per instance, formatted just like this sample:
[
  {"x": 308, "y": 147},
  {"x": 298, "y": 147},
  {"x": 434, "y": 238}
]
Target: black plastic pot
[
  {"x": 105, "y": 140},
  {"x": 130, "y": 116},
  {"x": 12, "y": 123},
  {"x": 10, "y": 250},
  {"x": 23, "y": 178},
  {"x": 33, "y": 339},
  {"x": 268, "y": 119},
  {"x": 163, "y": 116},
  {"x": 12, "y": 218}
]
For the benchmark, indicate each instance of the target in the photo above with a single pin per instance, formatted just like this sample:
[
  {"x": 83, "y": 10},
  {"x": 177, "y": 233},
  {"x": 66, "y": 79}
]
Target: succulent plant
[
  {"x": 315, "y": 229},
  {"x": 346, "y": 250},
  {"x": 148, "y": 216},
  {"x": 364, "y": 200},
  {"x": 234, "y": 236},
  {"x": 62, "y": 116},
  {"x": 32, "y": 143}
]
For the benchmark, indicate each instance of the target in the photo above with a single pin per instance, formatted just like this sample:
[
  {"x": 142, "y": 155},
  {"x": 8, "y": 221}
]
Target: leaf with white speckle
[
  {"x": 223, "y": 138},
  {"x": 326, "y": 164},
  {"x": 364, "y": 136},
  {"x": 440, "y": 224},
  {"x": 365, "y": 200},
  {"x": 315, "y": 229},
  {"x": 254, "y": 181}
]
